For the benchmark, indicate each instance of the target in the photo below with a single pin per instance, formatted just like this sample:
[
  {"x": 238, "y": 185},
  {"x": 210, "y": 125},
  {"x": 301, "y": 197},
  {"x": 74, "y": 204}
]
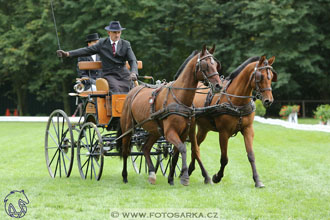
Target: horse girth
[
  {"x": 225, "y": 108},
  {"x": 173, "y": 108}
]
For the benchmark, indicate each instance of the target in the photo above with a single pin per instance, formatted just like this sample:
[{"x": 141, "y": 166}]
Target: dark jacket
[
  {"x": 109, "y": 61},
  {"x": 113, "y": 66},
  {"x": 94, "y": 74}
]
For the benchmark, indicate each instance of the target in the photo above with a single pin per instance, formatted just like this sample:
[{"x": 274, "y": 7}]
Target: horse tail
[
  {"x": 119, "y": 142},
  {"x": 126, "y": 123}
]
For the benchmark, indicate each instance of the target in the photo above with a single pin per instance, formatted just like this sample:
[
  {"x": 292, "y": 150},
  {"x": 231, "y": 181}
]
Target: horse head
[
  {"x": 207, "y": 68},
  {"x": 261, "y": 79}
]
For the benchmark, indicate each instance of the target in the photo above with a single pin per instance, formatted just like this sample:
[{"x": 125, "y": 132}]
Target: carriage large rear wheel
[
  {"x": 90, "y": 152},
  {"x": 59, "y": 144}
]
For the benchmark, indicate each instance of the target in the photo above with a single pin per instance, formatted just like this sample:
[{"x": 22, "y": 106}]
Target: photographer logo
[{"x": 15, "y": 204}]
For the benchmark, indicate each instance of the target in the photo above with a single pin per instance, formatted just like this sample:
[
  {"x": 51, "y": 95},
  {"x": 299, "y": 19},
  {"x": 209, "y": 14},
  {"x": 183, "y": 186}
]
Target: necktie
[{"x": 113, "y": 48}]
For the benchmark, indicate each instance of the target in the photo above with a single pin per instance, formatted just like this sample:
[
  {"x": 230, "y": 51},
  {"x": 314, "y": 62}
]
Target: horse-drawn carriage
[
  {"x": 93, "y": 136},
  {"x": 156, "y": 121}
]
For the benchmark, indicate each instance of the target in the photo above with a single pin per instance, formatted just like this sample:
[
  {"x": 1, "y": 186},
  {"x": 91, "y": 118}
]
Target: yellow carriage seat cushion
[{"x": 102, "y": 85}]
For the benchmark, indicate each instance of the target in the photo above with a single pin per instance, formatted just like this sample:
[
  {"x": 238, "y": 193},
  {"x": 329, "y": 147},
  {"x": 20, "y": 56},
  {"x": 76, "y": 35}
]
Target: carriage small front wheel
[
  {"x": 90, "y": 152},
  {"x": 59, "y": 144}
]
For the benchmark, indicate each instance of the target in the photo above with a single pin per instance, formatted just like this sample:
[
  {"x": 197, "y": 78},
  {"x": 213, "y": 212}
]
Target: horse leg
[
  {"x": 248, "y": 140},
  {"x": 201, "y": 134},
  {"x": 146, "y": 151},
  {"x": 172, "y": 136},
  {"x": 125, "y": 148},
  {"x": 223, "y": 139},
  {"x": 196, "y": 154},
  {"x": 174, "y": 161}
]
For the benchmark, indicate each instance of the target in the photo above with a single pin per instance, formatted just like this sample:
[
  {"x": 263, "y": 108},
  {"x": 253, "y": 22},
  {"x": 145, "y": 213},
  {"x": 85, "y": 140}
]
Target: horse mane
[
  {"x": 239, "y": 69},
  {"x": 183, "y": 65}
]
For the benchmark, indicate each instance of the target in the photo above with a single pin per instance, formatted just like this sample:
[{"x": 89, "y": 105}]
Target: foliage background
[{"x": 163, "y": 34}]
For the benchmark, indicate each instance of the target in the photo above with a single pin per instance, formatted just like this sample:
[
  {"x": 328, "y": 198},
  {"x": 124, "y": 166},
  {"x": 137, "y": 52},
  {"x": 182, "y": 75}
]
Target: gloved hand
[
  {"x": 62, "y": 53},
  {"x": 133, "y": 77}
]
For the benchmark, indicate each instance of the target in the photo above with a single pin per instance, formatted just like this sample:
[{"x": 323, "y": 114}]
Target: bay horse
[
  {"x": 167, "y": 111},
  {"x": 234, "y": 111}
]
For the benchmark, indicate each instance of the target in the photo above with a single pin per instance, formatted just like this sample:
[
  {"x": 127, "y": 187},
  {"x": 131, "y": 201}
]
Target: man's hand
[
  {"x": 133, "y": 77},
  {"x": 62, "y": 53}
]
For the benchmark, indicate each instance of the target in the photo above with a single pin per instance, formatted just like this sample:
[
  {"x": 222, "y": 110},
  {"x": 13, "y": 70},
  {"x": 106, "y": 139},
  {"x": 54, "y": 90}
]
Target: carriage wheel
[
  {"x": 167, "y": 150},
  {"x": 90, "y": 152},
  {"x": 139, "y": 163},
  {"x": 59, "y": 144}
]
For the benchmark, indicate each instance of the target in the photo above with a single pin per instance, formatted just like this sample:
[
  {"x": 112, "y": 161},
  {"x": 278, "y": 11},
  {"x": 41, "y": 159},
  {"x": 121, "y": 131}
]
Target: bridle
[
  {"x": 202, "y": 66},
  {"x": 258, "y": 77}
]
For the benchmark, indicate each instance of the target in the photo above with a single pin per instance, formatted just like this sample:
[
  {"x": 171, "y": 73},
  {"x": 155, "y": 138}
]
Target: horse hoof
[
  {"x": 125, "y": 181},
  {"x": 184, "y": 180},
  {"x": 208, "y": 180},
  {"x": 152, "y": 178},
  {"x": 216, "y": 179},
  {"x": 259, "y": 185}
]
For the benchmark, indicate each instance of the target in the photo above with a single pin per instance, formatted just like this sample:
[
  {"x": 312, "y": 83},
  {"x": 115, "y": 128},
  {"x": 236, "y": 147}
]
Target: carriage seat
[{"x": 96, "y": 65}]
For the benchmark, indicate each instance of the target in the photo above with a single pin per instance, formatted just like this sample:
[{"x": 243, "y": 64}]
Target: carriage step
[{"x": 106, "y": 148}]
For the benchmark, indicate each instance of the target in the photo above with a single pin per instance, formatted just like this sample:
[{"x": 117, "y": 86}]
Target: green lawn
[{"x": 294, "y": 165}]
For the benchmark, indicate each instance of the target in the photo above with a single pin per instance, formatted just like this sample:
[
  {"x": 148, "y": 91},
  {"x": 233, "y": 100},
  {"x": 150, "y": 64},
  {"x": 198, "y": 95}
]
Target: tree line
[{"x": 162, "y": 35}]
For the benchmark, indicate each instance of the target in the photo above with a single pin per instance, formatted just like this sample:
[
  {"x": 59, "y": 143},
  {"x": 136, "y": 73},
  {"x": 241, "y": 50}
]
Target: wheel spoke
[
  {"x": 53, "y": 138},
  {"x": 86, "y": 141},
  {"x": 53, "y": 158},
  {"x": 56, "y": 167},
  {"x": 84, "y": 164},
  {"x": 66, "y": 173},
  {"x": 92, "y": 168},
  {"x": 97, "y": 163},
  {"x": 51, "y": 147},
  {"x": 87, "y": 167},
  {"x": 65, "y": 154},
  {"x": 59, "y": 161},
  {"x": 140, "y": 165}
]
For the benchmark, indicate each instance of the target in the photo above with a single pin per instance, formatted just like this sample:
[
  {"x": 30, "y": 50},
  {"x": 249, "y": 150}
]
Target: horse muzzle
[
  {"x": 216, "y": 88},
  {"x": 267, "y": 102}
]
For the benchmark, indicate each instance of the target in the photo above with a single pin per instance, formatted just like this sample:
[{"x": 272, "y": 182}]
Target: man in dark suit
[
  {"x": 114, "y": 52},
  {"x": 91, "y": 39}
]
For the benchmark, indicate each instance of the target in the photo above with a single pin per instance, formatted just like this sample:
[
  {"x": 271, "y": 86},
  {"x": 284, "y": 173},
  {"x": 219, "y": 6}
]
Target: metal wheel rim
[
  {"x": 90, "y": 152},
  {"x": 59, "y": 144}
]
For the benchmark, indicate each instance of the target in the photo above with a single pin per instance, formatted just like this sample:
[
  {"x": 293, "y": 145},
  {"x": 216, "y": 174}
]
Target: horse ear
[
  {"x": 271, "y": 60},
  {"x": 261, "y": 60},
  {"x": 203, "y": 50},
  {"x": 212, "y": 49}
]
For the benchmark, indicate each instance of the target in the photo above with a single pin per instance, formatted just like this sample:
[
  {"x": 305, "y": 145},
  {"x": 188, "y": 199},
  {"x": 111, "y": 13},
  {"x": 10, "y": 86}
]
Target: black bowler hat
[
  {"x": 92, "y": 37},
  {"x": 114, "y": 26}
]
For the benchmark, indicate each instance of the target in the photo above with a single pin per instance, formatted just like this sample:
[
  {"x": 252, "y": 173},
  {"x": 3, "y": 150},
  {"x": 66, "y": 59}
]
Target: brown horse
[
  {"x": 234, "y": 111},
  {"x": 167, "y": 111}
]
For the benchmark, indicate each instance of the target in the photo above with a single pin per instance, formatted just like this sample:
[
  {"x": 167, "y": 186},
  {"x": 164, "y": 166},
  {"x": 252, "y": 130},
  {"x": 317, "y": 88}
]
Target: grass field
[{"x": 294, "y": 165}]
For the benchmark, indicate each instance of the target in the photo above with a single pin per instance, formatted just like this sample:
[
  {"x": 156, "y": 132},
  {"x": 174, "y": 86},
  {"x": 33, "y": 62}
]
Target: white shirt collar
[{"x": 116, "y": 43}]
